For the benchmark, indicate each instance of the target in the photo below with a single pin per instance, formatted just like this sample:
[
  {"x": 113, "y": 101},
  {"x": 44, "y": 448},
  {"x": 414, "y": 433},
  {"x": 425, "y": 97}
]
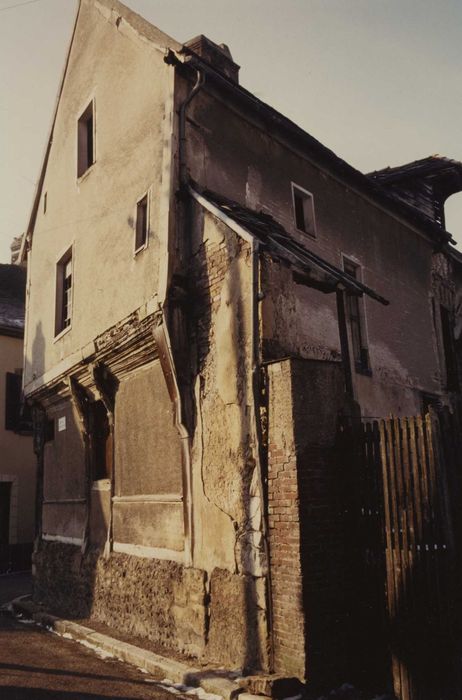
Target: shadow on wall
[
  {"x": 329, "y": 558},
  {"x": 34, "y": 364}
]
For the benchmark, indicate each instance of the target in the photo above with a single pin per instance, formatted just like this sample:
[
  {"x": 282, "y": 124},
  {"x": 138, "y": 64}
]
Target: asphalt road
[{"x": 36, "y": 664}]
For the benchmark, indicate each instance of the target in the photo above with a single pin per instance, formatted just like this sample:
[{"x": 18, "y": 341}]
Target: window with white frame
[
  {"x": 64, "y": 282},
  {"x": 303, "y": 207},
  {"x": 86, "y": 140},
  {"x": 141, "y": 223}
]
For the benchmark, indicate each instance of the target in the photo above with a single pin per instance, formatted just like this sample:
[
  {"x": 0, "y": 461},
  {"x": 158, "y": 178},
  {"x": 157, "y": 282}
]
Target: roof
[
  {"x": 431, "y": 166},
  {"x": 308, "y": 267},
  {"x": 424, "y": 184},
  {"x": 12, "y": 299},
  {"x": 326, "y": 158}
]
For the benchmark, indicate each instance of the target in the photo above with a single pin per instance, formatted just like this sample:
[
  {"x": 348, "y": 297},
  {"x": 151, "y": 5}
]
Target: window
[
  {"x": 303, "y": 210},
  {"x": 17, "y": 413},
  {"x": 64, "y": 292},
  {"x": 5, "y": 507},
  {"x": 355, "y": 316},
  {"x": 85, "y": 140},
  {"x": 12, "y": 400},
  {"x": 450, "y": 360},
  {"x": 49, "y": 435},
  {"x": 45, "y": 198},
  {"x": 141, "y": 230},
  {"x": 101, "y": 442}
]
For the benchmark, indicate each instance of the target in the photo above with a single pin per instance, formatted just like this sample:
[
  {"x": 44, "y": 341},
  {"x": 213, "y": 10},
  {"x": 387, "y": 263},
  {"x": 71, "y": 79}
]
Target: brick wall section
[
  {"x": 284, "y": 527},
  {"x": 209, "y": 266},
  {"x": 326, "y": 485},
  {"x": 308, "y": 553}
]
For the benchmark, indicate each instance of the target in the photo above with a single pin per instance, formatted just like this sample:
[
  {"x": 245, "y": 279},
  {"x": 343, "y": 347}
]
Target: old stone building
[{"x": 209, "y": 288}]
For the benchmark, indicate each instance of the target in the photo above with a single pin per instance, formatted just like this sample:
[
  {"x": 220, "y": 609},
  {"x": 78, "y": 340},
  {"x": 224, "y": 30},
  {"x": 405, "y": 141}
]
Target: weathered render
[{"x": 192, "y": 341}]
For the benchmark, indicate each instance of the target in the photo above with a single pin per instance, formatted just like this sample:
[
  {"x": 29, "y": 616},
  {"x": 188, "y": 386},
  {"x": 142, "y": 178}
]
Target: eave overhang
[{"x": 307, "y": 267}]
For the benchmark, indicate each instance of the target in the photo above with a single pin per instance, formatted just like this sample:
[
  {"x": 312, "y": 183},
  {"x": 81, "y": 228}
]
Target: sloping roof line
[
  {"x": 430, "y": 165},
  {"x": 280, "y": 245},
  {"x": 139, "y": 24},
  {"x": 325, "y": 157},
  {"x": 12, "y": 299}
]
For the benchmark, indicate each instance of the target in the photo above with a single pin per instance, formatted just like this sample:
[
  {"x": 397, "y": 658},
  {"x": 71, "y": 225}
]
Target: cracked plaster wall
[{"x": 226, "y": 497}]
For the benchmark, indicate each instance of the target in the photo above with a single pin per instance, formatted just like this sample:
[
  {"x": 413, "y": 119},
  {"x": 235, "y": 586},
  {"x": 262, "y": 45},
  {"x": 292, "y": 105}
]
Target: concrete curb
[{"x": 175, "y": 671}]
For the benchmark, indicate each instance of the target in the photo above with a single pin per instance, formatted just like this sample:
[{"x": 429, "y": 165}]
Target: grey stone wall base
[
  {"x": 274, "y": 686},
  {"x": 211, "y": 681}
]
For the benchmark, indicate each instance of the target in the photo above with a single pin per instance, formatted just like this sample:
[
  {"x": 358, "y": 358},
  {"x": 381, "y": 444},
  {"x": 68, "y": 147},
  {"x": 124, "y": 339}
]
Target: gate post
[{"x": 304, "y": 398}]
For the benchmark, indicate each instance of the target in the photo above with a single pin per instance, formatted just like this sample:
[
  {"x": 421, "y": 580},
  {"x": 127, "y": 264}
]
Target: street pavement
[{"x": 36, "y": 664}]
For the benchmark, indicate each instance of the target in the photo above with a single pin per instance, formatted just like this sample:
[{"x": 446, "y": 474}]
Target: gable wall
[{"x": 131, "y": 86}]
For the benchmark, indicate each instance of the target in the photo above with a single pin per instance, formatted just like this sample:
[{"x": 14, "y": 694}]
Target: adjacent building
[
  {"x": 17, "y": 460},
  {"x": 209, "y": 288}
]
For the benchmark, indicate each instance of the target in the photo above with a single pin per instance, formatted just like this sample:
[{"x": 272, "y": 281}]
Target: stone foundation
[
  {"x": 219, "y": 618},
  {"x": 159, "y": 600},
  {"x": 238, "y": 626}
]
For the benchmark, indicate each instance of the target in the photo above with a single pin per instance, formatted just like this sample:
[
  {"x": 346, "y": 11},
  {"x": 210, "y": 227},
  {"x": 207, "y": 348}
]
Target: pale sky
[{"x": 377, "y": 81}]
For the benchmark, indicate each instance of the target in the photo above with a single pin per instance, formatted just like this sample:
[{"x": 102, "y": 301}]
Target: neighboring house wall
[{"x": 17, "y": 463}]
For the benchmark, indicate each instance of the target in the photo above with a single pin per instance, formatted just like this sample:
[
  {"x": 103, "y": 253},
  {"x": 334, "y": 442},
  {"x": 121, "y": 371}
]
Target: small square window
[
  {"x": 64, "y": 292},
  {"x": 141, "y": 230},
  {"x": 303, "y": 210},
  {"x": 85, "y": 140}
]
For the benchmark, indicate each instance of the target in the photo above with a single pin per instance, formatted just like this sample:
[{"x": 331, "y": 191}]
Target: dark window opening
[
  {"x": 452, "y": 380},
  {"x": 5, "y": 507},
  {"x": 141, "y": 234},
  {"x": 18, "y": 416},
  {"x": 101, "y": 442},
  {"x": 12, "y": 401},
  {"x": 303, "y": 210},
  {"x": 85, "y": 141},
  {"x": 64, "y": 293},
  {"x": 49, "y": 430},
  {"x": 45, "y": 198},
  {"x": 429, "y": 401},
  {"x": 356, "y": 321}
]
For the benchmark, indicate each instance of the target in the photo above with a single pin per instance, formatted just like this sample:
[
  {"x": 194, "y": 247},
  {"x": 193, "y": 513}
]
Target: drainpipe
[
  {"x": 200, "y": 81},
  {"x": 164, "y": 344},
  {"x": 256, "y": 386}
]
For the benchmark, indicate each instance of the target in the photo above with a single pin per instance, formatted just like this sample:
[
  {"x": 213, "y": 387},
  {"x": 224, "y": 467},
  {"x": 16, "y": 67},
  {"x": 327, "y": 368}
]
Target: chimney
[
  {"x": 15, "y": 248},
  {"x": 217, "y": 56}
]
